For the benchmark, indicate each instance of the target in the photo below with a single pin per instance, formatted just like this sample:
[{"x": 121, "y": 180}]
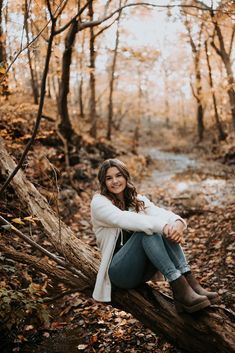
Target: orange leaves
[
  {"x": 2, "y": 69},
  {"x": 23, "y": 220}
]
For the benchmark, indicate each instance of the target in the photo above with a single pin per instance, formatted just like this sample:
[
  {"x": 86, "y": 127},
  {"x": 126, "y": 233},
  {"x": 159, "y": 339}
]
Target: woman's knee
[{"x": 150, "y": 239}]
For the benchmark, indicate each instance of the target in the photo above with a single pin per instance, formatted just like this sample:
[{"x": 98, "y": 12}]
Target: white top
[{"x": 108, "y": 220}]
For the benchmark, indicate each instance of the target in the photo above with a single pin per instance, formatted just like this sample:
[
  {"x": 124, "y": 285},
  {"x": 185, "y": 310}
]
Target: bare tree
[
  {"x": 81, "y": 103},
  {"x": 220, "y": 48},
  {"x": 64, "y": 125},
  {"x": 32, "y": 74},
  {"x": 197, "y": 88},
  {"x": 3, "y": 55},
  {"x": 112, "y": 78},
  {"x": 93, "y": 113},
  {"x": 225, "y": 55},
  {"x": 222, "y": 134}
]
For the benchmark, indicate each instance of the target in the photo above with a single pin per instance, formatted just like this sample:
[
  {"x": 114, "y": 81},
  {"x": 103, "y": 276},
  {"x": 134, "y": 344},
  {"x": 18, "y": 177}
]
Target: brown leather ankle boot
[
  {"x": 193, "y": 282},
  {"x": 185, "y": 298}
]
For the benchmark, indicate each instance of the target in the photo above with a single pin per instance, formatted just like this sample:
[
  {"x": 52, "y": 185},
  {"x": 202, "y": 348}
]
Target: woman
[{"x": 137, "y": 239}]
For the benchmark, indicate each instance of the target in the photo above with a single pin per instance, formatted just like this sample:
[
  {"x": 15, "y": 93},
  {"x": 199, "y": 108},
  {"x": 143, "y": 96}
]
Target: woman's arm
[
  {"x": 153, "y": 210},
  {"x": 105, "y": 214}
]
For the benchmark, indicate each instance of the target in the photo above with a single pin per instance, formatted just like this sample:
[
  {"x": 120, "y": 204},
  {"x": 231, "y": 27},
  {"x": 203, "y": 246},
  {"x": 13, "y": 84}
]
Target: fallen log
[
  {"x": 211, "y": 330},
  {"x": 41, "y": 265}
]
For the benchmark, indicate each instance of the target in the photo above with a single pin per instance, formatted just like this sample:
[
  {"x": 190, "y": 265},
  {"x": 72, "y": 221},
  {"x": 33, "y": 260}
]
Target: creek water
[{"x": 183, "y": 176}]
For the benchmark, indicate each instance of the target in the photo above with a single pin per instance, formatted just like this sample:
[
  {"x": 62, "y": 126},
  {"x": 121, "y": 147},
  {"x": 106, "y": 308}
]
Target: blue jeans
[{"x": 142, "y": 255}]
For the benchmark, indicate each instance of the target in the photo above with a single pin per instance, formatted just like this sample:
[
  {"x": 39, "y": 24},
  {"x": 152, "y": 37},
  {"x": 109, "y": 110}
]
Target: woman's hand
[{"x": 175, "y": 232}]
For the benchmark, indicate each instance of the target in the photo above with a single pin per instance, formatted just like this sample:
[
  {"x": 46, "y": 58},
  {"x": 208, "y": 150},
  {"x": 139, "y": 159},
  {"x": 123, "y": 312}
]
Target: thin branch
[
  {"x": 216, "y": 48},
  {"x": 104, "y": 28},
  {"x": 106, "y": 17},
  {"x": 50, "y": 11},
  {"x": 38, "y": 30},
  {"x": 231, "y": 41},
  {"x": 60, "y": 9},
  {"x": 8, "y": 226},
  {"x": 62, "y": 29},
  {"x": 193, "y": 46},
  {"x": 193, "y": 91},
  {"x": 61, "y": 295},
  {"x": 41, "y": 265}
]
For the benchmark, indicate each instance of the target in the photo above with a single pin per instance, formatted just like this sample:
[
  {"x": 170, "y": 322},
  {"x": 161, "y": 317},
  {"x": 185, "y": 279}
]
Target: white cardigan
[{"x": 108, "y": 220}]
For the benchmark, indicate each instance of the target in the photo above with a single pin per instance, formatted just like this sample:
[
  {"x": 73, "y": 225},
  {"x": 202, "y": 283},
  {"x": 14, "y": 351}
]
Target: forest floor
[{"x": 196, "y": 182}]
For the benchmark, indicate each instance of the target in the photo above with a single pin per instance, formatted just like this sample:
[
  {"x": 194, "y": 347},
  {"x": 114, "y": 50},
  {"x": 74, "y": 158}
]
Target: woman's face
[{"x": 115, "y": 182}]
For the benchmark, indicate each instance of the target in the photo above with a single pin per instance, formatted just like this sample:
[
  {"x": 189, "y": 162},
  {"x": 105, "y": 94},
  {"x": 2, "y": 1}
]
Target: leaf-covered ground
[{"x": 81, "y": 324}]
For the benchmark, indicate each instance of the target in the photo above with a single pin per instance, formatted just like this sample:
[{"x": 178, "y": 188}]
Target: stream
[{"x": 182, "y": 176}]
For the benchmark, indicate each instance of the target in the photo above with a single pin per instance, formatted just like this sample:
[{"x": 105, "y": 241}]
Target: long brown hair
[{"x": 130, "y": 193}]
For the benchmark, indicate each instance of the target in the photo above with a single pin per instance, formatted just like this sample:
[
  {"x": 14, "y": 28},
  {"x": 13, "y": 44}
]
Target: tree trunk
[
  {"x": 112, "y": 79},
  {"x": 33, "y": 80},
  {"x": 222, "y": 134},
  {"x": 200, "y": 110},
  {"x": 3, "y": 55},
  {"x": 2, "y": 41},
  {"x": 198, "y": 84},
  {"x": 166, "y": 94},
  {"x": 64, "y": 126},
  {"x": 93, "y": 113},
  {"x": 225, "y": 56},
  {"x": 208, "y": 331},
  {"x": 81, "y": 104}
]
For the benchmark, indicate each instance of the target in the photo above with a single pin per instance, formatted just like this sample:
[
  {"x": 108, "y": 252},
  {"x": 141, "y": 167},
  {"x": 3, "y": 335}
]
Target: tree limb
[
  {"x": 104, "y": 29},
  {"x": 62, "y": 29},
  {"x": 8, "y": 226},
  {"x": 41, "y": 265},
  {"x": 231, "y": 41}
]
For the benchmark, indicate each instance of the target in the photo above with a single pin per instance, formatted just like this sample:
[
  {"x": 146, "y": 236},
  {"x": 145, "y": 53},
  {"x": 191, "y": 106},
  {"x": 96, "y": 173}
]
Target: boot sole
[{"x": 193, "y": 308}]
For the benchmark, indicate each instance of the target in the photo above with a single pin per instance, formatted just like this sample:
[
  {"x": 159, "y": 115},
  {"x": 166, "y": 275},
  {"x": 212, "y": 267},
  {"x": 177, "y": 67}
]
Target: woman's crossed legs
[{"x": 142, "y": 255}]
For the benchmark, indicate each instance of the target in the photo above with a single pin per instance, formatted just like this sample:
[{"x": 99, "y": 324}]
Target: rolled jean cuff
[
  {"x": 185, "y": 268},
  {"x": 173, "y": 276}
]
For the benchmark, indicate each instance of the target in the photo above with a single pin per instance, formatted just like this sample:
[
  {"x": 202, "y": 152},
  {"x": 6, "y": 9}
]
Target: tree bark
[
  {"x": 93, "y": 112},
  {"x": 112, "y": 79},
  {"x": 2, "y": 41},
  {"x": 33, "y": 78},
  {"x": 222, "y": 134},
  {"x": 208, "y": 331},
  {"x": 3, "y": 55},
  {"x": 64, "y": 126},
  {"x": 225, "y": 56},
  {"x": 81, "y": 83},
  {"x": 228, "y": 67},
  {"x": 196, "y": 50}
]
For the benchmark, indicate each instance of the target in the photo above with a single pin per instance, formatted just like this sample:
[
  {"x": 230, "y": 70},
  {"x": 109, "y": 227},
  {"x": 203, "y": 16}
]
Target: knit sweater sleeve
[
  {"x": 105, "y": 214},
  {"x": 152, "y": 210}
]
